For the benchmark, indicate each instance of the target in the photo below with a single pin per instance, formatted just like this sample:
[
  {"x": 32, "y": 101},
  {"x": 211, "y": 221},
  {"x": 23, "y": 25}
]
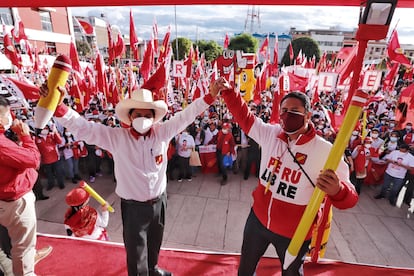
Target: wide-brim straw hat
[{"x": 140, "y": 99}]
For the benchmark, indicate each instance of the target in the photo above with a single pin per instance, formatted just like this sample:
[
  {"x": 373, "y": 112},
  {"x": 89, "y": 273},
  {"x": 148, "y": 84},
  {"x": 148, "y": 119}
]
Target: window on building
[
  {"x": 6, "y": 16},
  {"x": 46, "y": 21},
  {"x": 50, "y": 47}
]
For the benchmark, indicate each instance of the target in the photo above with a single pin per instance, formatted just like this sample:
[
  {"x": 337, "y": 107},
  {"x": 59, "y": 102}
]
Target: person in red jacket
[
  {"x": 47, "y": 142},
  {"x": 18, "y": 170},
  {"x": 225, "y": 149},
  {"x": 290, "y": 169},
  {"x": 362, "y": 155}
]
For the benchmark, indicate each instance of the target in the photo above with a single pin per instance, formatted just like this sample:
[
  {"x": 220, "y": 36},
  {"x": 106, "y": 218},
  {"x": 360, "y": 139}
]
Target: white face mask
[
  {"x": 142, "y": 124},
  {"x": 9, "y": 124},
  {"x": 374, "y": 135},
  {"x": 225, "y": 131},
  {"x": 367, "y": 146},
  {"x": 44, "y": 132}
]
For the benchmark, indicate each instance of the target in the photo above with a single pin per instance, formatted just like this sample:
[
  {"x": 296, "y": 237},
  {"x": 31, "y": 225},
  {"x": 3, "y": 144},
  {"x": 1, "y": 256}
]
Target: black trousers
[
  {"x": 143, "y": 229},
  {"x": 256, "y": 239}
]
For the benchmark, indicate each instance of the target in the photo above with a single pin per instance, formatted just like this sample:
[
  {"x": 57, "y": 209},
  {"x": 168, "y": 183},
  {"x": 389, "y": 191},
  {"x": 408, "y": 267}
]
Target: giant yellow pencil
[
  {"x": 58, "y": 76},
  {"x": 95, "y": 195},
  {"x": 335, "y": 155}
]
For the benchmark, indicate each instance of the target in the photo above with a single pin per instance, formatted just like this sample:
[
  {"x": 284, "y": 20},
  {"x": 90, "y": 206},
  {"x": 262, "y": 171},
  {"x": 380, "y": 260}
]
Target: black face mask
[{"x": 292, "y": 121}]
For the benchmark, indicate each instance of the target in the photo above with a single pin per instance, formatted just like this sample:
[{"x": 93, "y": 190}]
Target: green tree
[
  {"x": 83, "y": 48},
  {"x": 244, "y": 42},
  {"x": 308, "y": 46},
  {"x": 184, "y": 45},
  {"x": 211, "y": 49}
]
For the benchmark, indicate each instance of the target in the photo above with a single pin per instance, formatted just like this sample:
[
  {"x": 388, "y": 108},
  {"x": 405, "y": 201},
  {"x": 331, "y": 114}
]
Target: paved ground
[{"x": 202, "y": 215}]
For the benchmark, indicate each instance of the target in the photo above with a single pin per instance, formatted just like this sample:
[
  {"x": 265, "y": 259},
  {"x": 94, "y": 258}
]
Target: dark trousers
[
  {"x": 185, "y": 169},
  {"x": 143, "y": 228},
  {"x": 52, "y": 171},
  {"x": 256, "y": 239},
  {"x": 222, "y": 169}
]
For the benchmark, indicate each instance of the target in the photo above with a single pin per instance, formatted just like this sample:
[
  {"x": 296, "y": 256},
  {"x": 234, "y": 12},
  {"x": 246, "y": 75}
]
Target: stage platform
[{"x": 204, "y": 216}]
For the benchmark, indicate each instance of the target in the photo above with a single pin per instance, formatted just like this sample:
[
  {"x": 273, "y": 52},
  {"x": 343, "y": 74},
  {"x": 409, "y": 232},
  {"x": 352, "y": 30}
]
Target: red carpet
[{"x": 81, "y": 257}]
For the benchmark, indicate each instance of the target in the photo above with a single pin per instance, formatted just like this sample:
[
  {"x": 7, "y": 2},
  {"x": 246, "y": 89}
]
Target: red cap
[{"x": 77, "y": 197}]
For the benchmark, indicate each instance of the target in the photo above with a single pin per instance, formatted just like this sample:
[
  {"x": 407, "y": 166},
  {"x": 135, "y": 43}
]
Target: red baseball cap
[{"x": 77, "y": 197}]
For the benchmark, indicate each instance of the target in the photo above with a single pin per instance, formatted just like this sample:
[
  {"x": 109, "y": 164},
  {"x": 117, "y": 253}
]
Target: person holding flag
[{"x": 290, "y": 169}]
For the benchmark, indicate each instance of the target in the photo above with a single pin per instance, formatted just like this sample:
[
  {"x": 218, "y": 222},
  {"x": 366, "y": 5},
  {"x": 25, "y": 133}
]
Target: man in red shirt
[{"x": 18, "y": 164}]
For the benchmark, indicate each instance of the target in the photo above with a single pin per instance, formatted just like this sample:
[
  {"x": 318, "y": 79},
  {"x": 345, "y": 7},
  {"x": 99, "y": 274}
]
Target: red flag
[
  {"x": 275, "y": 62},
  {"x": 263, "y": 48},
  {"x": 297, "y": 83},
  {"x": 395, "y": 53},
  {"x": 30, "y": 91},
  {"x": 73, "y": 55},
  {"x": 299, "y": 58},
  {"x": 226, "y": 41},
  {"x": 133, "y": 36},
  {"x": 18, "y": 30},
  {"x": 87, "y": 27},
  {"x": 156, "y": 82},
  {"x": 188, "y": 63},
  {"x": 277, "y": 96},
  {"x": 347, "y": 66},
  {"x": 11, "y": 52},
  {"x": 111, "y": 45},
  {"x": 147, "y": 62},
  {"x": 165, "y": 45},
  {"x": 388, "y": 82},
  {"x": 100, "y": 71},
  {"x": 77, "y": 95},
  {"x": 291, "y": 55},
  {"x": 119, "y": 48}
]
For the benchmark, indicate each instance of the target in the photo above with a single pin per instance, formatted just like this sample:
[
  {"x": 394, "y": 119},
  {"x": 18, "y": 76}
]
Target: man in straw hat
[{"x": 140, "y": 158}]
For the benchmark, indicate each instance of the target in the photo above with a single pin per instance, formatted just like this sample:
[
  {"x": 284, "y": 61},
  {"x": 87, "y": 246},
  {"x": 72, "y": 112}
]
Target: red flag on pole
[
  {"x": 165, "y": 45},
  {"x": 226, "y": 41},
  {"x": 111, "y": 45},
  {"x": 74, "y": 58},
  {"x": 18, "y": 30},
  {"x": 11, "y": 52},
  {"x": 147, "y": 62},
  {"x": 275, "y": 62},
  {"x": 119, "y": 48},
  {"x": 87, "y": 27},
  {"x": 291, "y": 54},
  {"x": 133, "y": 36},
  {"x": 395, "y": 53},
  {"x": 263, "y": 48}
]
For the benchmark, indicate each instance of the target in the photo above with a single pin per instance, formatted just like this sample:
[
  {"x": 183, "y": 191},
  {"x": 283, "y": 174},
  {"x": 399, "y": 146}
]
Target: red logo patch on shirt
[
  {"x": 301, "y": 158},
  {"x": 158, "y": 159}
]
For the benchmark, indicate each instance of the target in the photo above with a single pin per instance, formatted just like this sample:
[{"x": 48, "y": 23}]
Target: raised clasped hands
[{"x": 218, "y": 85}]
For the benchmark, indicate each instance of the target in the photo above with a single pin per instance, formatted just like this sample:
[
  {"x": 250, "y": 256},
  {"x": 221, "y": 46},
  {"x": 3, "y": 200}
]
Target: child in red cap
[{"x": 81, "y": 220}]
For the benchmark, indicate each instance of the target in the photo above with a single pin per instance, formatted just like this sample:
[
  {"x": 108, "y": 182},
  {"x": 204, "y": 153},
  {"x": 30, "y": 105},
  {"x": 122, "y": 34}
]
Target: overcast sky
[{"x": 212, "y": 22}]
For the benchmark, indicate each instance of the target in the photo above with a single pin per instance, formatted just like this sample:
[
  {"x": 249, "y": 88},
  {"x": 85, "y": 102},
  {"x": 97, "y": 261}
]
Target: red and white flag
[{"x": 18, "y": 30}]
